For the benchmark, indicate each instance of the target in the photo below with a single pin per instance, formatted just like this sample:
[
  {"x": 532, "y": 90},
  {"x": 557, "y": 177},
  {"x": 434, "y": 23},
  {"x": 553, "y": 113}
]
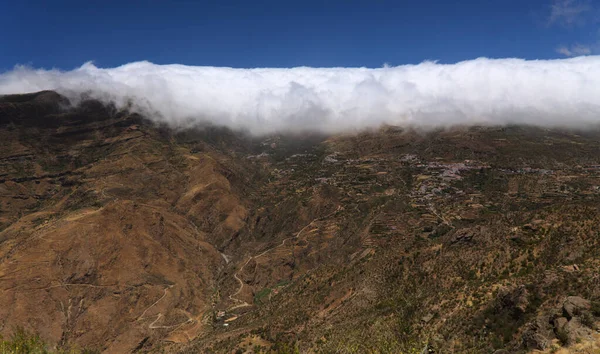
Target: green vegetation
[
  {"x": 282, "y": 283},
  {"x": 562, "y": 336},
  {"x": 22, "y": 341},
  {"x": 260, "y": 296},
  {"x": 25, "y": 342},
  {"x": 588, "y": 320},
  {"x": 596, "y": 308},
  {"x": 286, "y": 348}
]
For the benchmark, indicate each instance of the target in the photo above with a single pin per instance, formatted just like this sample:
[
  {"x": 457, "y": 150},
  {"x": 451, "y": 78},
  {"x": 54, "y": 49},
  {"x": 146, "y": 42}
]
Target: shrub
[
  {"x": 25, "y": 342},
  {"x": 260, "y": 296},
  {"x": 22, "y": 341},
  {"x": 588, "y": 320},
  {"x": 596, "y": 308},
  {"x": 563, "y": 336}
]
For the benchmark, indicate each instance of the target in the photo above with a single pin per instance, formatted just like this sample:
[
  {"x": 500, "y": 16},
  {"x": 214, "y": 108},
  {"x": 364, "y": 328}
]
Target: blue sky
[{"x": 351, "y": 33}]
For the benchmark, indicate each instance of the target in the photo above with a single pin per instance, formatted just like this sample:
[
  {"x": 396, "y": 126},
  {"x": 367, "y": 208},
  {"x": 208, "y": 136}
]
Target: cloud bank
[{"x": 483, "y": 91}]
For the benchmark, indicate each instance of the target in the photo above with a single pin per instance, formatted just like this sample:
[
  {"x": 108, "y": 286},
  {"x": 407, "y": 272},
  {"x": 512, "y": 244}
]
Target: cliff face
[{"x": 120, "y": 235}]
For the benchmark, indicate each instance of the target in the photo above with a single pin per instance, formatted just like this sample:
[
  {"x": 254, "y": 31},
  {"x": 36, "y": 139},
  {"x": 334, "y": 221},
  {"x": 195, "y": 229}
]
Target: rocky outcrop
[
  {"x": 575, "y": 305},
  {"x": 514, "y": 301},
  {"x": 569, "y": 324}
]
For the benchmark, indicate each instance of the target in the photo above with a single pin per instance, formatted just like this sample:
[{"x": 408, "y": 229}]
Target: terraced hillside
[
  {"x": 466, "y": 240},
  {"x": 122, "y": 235}
]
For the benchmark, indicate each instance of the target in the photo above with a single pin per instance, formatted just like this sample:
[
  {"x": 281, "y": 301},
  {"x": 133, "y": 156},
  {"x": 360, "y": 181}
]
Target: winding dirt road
[{"x": 242, "y": 303}]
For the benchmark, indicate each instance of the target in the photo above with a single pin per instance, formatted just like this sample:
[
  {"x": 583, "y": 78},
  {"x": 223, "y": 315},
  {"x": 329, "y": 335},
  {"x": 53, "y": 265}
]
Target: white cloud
[
  {"x": 574, "y": 50},
  {"x": 480, "y": 91},
  {"x": 569, "y": 12}
]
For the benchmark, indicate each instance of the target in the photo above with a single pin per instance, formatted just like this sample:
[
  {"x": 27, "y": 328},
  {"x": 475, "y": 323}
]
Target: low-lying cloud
[{"x": 482, "y": 91}]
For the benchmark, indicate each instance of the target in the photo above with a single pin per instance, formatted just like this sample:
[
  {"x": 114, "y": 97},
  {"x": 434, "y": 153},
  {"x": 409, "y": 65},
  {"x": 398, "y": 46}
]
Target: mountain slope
[
  {"x": 462, "y": 240},
  {"x": 121, "y": 235},
  {"x": 96, "y": 245}
]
